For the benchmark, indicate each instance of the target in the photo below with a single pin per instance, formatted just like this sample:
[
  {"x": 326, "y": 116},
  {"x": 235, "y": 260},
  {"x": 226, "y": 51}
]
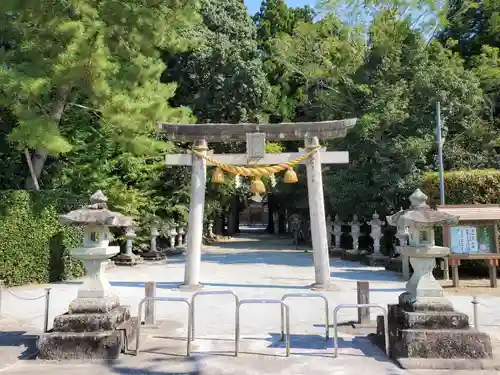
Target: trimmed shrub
[
  {"x": 464, "y": 187},
  {"x": 33, "y": 245}
]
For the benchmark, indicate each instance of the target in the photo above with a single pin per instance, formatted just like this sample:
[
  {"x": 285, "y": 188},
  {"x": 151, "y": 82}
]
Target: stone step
[
  {"x": 434, "y": 320},
  {"x": 91, "y": 322},
  {"x": 442, "y": 343}
]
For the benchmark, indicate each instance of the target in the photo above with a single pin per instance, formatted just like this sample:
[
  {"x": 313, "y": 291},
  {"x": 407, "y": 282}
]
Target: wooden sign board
[{"x": 474, "y": 238}]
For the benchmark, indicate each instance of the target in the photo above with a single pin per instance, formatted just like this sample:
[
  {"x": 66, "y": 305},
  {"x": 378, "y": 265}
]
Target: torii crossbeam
[{"x": 255, "y": 135}]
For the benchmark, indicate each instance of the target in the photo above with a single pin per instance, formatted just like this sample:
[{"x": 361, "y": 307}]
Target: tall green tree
[
  {"x": 471, "y": 25},
  {"x": 394, "y": 141},
  {"x": 107, "y": 52},
  {"x": 274, "y": 21},
  {"x": 221, "y": 78}
]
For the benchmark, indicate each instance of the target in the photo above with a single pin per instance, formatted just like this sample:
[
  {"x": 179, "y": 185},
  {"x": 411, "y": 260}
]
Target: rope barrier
[
  {"x": 26, "y": 298},
  {"x": 256, "y": 171},
  {"x": 46, "y": 296}
]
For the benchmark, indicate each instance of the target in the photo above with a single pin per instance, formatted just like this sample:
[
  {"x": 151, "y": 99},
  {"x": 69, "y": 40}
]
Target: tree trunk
[
  {"x": 270, "y": 210},
  {"x": 282, "y": 219},
  {"x": 232, "y": 224},
  {"x": 40, "y": 155}
]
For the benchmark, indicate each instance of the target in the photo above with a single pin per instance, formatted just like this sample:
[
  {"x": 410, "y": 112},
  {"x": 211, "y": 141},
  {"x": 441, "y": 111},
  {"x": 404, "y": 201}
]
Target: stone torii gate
[{"x": 256, "y": 135}]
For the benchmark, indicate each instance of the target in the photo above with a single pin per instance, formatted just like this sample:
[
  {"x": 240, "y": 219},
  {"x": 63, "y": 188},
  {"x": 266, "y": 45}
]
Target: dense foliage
[
  {"x": 464, "y": 187},
  {"x": 34, "y": 245},
  {"x": 82, "y": 84}
]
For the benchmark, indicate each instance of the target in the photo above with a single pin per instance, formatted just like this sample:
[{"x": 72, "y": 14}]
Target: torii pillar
[{"x": 311, "y": 132}]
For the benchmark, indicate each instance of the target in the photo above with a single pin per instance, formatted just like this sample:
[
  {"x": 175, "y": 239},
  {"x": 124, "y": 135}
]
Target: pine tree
[{"x": 107, "y": 52}]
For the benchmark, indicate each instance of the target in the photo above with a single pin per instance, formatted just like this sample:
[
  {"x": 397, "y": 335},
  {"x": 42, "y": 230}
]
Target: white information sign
[{"x": 463, "y": 240}]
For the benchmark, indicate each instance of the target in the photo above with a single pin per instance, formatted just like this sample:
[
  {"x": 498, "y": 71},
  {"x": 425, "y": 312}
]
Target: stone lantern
[
  {"x": 424, "y": 324},
  {"x": 128, "y": 258},
  {"x": 377, "y": 258},
  {"x": 181, "y": 235},
  {"x": 153, "y": 253},
  {"x": 93, "y": 326},
  {"x": 329, "y": 231},
  {"x": 171, "y": 236},
  {"x": 337, "y": 251}
]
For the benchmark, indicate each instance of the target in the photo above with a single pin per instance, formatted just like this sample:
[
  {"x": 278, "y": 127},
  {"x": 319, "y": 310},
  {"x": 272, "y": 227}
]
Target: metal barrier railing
[
  {"x": 254, "y": 301},
  {"x": 357, "y": 306},
  {"x": 165, "y": 299},
  {"x": 207, "y": 293},
  {"x": 307, "y": 295}
]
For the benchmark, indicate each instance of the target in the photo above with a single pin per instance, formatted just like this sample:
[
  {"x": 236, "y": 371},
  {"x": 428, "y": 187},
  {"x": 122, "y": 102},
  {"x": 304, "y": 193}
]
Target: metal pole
[
  {"x": 138, "y": 327},
  {"x": 475, "y": 302},
  {"x": 47, "y": 310},
  {"x": 440, "y": 142},
  {"x": 237, "y": 330},
  {"x": 287, "y": 340},
  {"x": 1, "y": 291}
]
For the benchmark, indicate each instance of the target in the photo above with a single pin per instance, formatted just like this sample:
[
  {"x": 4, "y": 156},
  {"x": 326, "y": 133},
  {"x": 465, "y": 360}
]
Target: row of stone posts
[
  {"x": 300, "y": 229},
  {"x": 334, "y": 229},
  {"x": 177, "y": 239}
]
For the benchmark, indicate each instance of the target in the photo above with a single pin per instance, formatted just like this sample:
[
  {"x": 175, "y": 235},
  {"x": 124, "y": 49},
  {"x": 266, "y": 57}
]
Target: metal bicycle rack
[
  {"x": 356, "y": 306},
  {"x": 254, "y": 301},
  {"x": 208, "y": 292},
  {"x": 165, "y": 299},
  {"x": 308, "y": 295}
]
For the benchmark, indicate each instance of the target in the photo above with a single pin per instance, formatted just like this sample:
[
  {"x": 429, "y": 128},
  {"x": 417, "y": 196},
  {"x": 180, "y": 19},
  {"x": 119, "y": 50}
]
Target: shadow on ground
[
  {"x": 365, "y": 274},
  {"x": 21, "y": 339},
  {"x": 185, "y": 366},
  {"x": 175, "y": 284}
]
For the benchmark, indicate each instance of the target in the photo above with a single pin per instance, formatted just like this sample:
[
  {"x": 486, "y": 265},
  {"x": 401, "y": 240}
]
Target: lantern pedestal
[
  {"x": 376, "y": 260},
  {"x": 434, "y": 339},
  {"x": 95, "y": 326},
  {"x": 423, "y": 291},
  {"x": 424, "y": 329},
  {"x": 336, "y": 252},
  {"x": 127, "y": 260},
  {"x": 424, "y": 325},
  {"x": 353, "y": 255}
]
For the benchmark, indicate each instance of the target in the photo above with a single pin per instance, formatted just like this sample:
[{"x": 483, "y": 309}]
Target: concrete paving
[{"x": 252, "y": 267}]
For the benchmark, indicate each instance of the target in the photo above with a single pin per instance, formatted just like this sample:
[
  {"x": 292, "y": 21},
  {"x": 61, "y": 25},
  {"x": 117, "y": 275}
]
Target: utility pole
[{"x": 440, "y": 142}]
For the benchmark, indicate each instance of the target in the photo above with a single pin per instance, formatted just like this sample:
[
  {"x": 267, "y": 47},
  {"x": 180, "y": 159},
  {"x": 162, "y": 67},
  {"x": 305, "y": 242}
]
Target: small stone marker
[
  {"x": 363, "y": 293},
  {"x": 150, "y": 291}
]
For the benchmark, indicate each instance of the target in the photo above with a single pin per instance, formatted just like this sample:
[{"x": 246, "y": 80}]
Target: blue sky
[{"x": 254, "y": 5}]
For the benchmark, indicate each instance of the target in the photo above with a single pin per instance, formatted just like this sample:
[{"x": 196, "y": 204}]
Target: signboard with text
[{"x": 472, "y": 240}]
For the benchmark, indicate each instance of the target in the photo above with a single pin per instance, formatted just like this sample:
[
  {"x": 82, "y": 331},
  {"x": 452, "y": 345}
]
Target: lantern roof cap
[
  {"x": 96, "y": 213},
  {"x": 420, "y": 213}
]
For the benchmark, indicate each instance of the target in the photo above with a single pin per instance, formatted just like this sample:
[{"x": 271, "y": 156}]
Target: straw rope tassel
[{"x": 256, "y": 171}]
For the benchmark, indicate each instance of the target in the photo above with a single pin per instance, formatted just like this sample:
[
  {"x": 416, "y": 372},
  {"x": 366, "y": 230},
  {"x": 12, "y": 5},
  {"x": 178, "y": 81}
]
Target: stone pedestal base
[
  {"x": 88, "y": 335},
  {"x": 190, "y": 287},
  {"x": 127, "y": 260},
  {"x": 375, "y": 260},
  {"x": 153, "y": 255},
  {"x": 394, "y": 264},
  {"x": 336, "y": 252},
  {"x": 352, "y": 255},
  {"x": 433, "y": 335},
  {"x": 86, "y": 305},
  {"x": 179, "y": 250},
  {"x": 327, "y": 287}
]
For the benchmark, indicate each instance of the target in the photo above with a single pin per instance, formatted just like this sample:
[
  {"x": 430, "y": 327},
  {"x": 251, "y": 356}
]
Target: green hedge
[
  {"x": 33, "y": 245},
  {"x": 464, "y": 187}
]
